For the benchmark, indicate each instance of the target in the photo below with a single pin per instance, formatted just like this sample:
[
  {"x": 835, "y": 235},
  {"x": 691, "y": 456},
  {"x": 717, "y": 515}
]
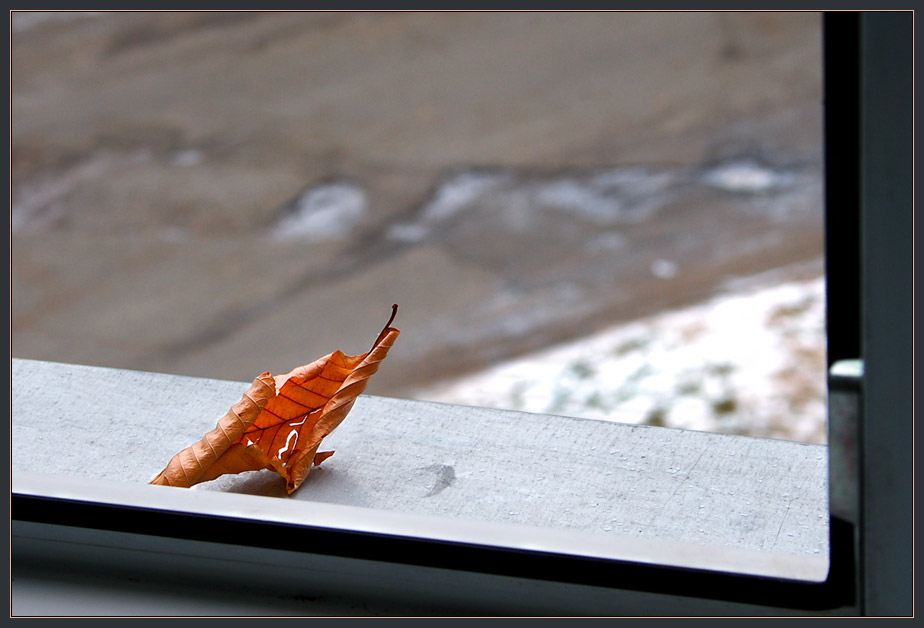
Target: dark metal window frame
[{"x": 868, "y": 102}]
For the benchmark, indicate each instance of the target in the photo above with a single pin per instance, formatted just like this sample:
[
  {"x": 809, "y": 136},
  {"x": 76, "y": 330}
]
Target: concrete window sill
[{"x": 451, "y": 476}]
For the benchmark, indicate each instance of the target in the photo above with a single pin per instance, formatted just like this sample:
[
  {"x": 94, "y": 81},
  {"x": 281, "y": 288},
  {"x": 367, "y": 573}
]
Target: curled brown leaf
[{"x": 280, "y": 421}]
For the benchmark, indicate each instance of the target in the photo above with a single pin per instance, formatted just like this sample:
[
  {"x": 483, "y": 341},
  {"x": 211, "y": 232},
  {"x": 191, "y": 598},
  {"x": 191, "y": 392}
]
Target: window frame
[
  {"x": 71, "y": 514},
  {"x": 864, "y": 320}
]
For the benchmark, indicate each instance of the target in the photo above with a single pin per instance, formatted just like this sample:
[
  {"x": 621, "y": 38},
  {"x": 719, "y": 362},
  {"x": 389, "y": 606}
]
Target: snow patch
[
  {"x": 663, "y": 269},
  {"x": 575, "y": 196},
  {"x": 751, "y": 362},
  {"x": 407, "y": 232},
  {"x": 454, "y": 195},
  {"x": 325, "y": 212},
  {"x": 613, "y": 197},
  {"x": 745, "y": 176},
  {"x": 187, "y": 157}
]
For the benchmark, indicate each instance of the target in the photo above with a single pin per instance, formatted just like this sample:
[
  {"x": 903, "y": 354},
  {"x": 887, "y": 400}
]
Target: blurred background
[{"x": 611, "y": 215}]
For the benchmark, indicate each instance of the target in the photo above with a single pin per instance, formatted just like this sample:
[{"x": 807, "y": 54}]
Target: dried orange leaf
[
  {"x": 281, "y": 421},
  {"x": 191, "y": 465}
]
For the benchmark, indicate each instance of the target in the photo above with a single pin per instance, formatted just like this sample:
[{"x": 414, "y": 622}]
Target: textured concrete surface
[{"x": 436, "y": 459}]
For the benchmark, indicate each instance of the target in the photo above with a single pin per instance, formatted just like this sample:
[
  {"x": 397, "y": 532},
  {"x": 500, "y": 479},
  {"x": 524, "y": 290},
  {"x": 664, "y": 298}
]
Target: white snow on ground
[
  {"x": 749, "y": 362},
  {"x": 745, "y": 176},
  {"x": 611, "y": 197},
  {"x": 325, "y": 212},
  {"x": 623, "y": 195}
]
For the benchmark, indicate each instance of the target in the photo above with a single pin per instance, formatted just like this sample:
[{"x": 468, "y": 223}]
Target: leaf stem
[{"x": 394, "y": 312}]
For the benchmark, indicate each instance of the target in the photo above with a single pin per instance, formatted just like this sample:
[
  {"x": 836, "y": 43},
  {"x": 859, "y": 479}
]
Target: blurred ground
[{"x": 219, "y": 194}]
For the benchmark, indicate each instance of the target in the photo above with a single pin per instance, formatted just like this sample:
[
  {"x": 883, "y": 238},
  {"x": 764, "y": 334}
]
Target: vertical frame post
[
  {"x": 869, "y": 149},
  {"x": 887, "y": 280}
]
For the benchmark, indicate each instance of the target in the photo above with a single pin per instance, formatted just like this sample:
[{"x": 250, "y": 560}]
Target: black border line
[
  {"x": 835, "y": 592},
  {"x": 841, "y": 89}
]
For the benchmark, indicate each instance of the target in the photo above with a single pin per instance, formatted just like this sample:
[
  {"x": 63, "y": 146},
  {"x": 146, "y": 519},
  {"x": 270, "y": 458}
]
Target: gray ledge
[{"x": 629, "y": 488}]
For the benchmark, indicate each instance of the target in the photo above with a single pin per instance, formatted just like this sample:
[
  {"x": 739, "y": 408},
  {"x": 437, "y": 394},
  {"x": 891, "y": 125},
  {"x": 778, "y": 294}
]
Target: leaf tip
[{"x": 321, "y": 457}]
